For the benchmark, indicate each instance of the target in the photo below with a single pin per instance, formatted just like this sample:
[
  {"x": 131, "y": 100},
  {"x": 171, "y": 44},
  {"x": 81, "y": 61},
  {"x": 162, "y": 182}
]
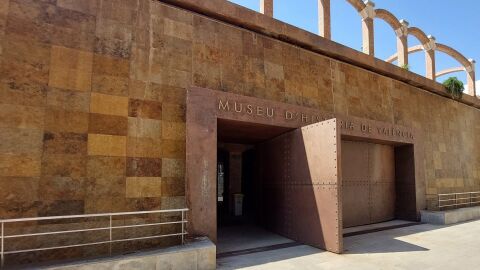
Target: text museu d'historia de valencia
[{"x": 307, "y": 118}]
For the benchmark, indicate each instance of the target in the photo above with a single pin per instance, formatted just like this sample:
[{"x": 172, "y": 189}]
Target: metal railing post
[
  {"x": 183, "y": 225},
  {"x": 110, "y": 229},
  {"x": 2, "y": 248}
]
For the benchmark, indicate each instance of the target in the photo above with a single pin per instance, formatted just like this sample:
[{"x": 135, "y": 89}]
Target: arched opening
[
  {"x": 449, "y": 67},
  {"x": 385, "y": 39},
  {"x": 416, "y": 60},
  {"x": 346, "y": 19}
]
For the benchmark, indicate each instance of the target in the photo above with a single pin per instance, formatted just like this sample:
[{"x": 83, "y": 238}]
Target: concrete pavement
[{"x": 422, "y": 246}]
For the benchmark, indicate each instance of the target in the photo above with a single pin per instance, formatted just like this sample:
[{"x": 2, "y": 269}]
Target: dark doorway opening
[{"x": 240, "y": 208}]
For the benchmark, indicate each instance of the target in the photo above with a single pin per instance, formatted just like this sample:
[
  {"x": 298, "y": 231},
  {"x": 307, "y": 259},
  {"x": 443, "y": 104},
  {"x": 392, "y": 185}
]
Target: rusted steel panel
[
  {"x": 301, "y": 183},
  {"x": 368, "y": 183},
  {"x": 201, "y": 149}
]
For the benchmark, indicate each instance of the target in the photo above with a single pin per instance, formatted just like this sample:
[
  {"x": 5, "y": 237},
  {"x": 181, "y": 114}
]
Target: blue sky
[{"x": 453, "y": 22}]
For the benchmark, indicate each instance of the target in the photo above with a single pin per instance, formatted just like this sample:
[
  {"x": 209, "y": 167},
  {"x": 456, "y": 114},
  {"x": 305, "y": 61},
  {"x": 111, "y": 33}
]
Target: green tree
[{"x": 454, "y": 87}]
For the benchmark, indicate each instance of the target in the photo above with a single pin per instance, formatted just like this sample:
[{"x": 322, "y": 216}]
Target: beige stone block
[
  {"x": 68, "y": 100},
  {"x": 173, "y": 186},
  {"x": 137, "y": 89},
  {"x": 144, "y": 147},
  {"x": 21, "y": 141},
  {"x": 173, "y": 112},
  {"x": 173, "y": 130},
  {"x": 64, "y": 165},
  {"x": 84, "y": 6},
  {"x": 139, "y": 187},
  {"x": 437, "y": 160},
  {"x": 25, "y": 61},
  {"x": 108, "y": 104},
  {"x": 173, "y": 149},
  {"x": 144, "y": 128},
  {"x": 178, "y": 29},
  {"x": 173, "y": 167},
  {"x": 110, "y": 85},
  {"x": 166, "y": 93},
  {"x": 66, "y": 121},
  {"x": 274, "y": 71},
  {"x": 442, "y": 147},
  {"x": 31, "y": 94},
  {"x": 175, "y": 202},
  {"x": 171, "y": 77},
  {"x": 18, "y": 189},
  {"x": 70, "y": 69},
  {"x": 112, "y": 66},
  {"x": 120, "y": 11},
  {"x": 20, "y": 165},
  {"x": 310, "y": 92},
  {"x": 21, "y": 116},
  {"x": 106, "y": 145}
]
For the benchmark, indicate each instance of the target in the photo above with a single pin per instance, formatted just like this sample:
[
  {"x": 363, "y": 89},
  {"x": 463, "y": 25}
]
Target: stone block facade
[{"x": 92, "y": 102}]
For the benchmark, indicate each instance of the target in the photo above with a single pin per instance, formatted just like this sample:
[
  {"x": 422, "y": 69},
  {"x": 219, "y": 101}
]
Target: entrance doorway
[
  {"x": 267, "y": 176},
  {"x": 300, "y": 164},
  {"x": 241, "y": 210}
]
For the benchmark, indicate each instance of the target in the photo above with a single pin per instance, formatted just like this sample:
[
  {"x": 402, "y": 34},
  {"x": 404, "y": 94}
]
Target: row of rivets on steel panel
[
  {"x": 286, "y": 177},
  {"x": 293, "y": 183},
  {"x": 368, "y": 180},
  {"x": 370, "y": 199},
  {"x": 338, "y": 219},
  {"x": 335, "y": 174},
  {"x": 366, "y": 183}
]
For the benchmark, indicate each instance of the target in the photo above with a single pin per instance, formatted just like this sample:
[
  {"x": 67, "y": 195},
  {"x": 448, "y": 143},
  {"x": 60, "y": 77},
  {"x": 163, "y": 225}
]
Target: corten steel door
[
  {"x": 368, "y": 172},
  {"x": 301, "y": 186}
]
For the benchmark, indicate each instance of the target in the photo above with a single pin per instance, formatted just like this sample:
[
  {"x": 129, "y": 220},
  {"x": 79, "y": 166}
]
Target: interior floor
[{"x": 243, "y": 237}]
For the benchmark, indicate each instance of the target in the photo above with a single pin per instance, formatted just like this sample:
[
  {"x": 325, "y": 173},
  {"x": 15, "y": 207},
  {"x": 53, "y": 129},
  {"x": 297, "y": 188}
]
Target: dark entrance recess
[
  {"x": 280, "y": 179},
  {"x": 238, "y": 171}
]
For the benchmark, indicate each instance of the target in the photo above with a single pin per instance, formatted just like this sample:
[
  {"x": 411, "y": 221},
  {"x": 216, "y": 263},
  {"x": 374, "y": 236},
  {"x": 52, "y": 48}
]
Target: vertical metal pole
[
  {"x": 183, "y": 225},
  {"x": 3, "y": 258},
  {"x": 110, "y": 248},
  {"x": 456, "y": 201}
]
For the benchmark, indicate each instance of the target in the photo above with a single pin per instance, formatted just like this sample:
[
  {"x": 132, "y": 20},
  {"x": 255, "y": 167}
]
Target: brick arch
[
  {"x": 357, "y": 4},
  {"x": 419, "y": 34},
  {"x": 388, "y": 18}
]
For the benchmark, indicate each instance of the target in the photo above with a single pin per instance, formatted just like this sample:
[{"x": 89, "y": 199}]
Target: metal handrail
[
  {"x": 110, "y": 228},
  {"x": 460, "y": 199}
]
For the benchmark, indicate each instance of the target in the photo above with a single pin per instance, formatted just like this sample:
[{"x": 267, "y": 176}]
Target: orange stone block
[
  {"x": 173, "y": 130},
  {"x": 108, "y": 104},
  {"x": 70, "y": 69},
  {"x": 106, "y": 145},
  {"x": 144, "y": 147},
  {"x": 20, "y": 165},
  {"x": 139, "y": 187}
]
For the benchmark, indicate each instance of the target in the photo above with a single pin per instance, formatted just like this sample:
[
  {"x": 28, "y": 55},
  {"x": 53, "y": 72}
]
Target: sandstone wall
[{"x": 92, "y": 102}]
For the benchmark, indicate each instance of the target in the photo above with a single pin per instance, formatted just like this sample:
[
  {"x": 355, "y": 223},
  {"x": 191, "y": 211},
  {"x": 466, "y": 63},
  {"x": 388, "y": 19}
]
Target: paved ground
[
  {"x": 243, "y": 237},
  {"x": 417, "y": 247}
]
